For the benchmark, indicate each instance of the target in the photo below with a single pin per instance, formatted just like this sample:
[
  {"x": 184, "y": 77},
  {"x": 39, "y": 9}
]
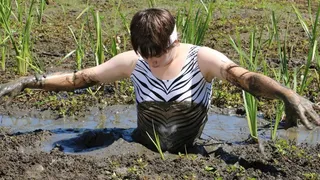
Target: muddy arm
[
  {"x": 256, "y": 84},
  {"x": 116, "y": 68},
  {"x": 214, "y": 64},
  {"x": 296, "y": 107},
  {"x": 61, "y": 81},
  {"x": 53, "y": 82}
]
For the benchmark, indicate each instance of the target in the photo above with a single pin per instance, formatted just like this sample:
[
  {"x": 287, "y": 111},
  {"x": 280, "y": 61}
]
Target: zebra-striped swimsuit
[{"x": 176, "y": 109}]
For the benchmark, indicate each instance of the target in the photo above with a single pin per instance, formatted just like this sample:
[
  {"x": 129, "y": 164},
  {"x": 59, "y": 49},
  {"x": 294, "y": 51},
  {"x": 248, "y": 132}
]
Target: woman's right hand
[{"x": 14, "y": 87}]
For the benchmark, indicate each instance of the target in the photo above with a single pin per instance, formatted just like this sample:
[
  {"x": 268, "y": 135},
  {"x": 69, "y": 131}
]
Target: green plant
[
  {"x": 151, "y": 3},
  {"x": 64, "y": 12},
  {"x": 5, "y": 9},
  {"x": 123, "y": 18},
  {"x": 311, "y": 176},
  {"x": 3, "y": 52},
  {"x": 80, "y": 49},
  {"x": 99, "y": 52},
  {"x": 133, "y": 169},
  {"x": 20, "y": 10},
  {"x": 156, "y": 142},
  {"x": 279, "y": 113},
  {"x": 142, "y": 164},
  {"x": 282, "y": 146},
  {"x": 98, "y": 47},
  {"x": 93, "y": 93},
  {"x": 250, "y": 62},
  {"x": 236, "y": 169},
  {"x": 283, "y": 71},
  {"x": 209, "y": 168},
  {"x": 312, "y": 37},
  {"x": 41, "y": 10},
  {"x": 194, "y": 24},
  {"x": 21, "y": 44}
]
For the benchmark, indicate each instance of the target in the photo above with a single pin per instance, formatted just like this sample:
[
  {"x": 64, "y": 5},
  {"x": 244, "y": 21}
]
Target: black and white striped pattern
[{"x": 176, "y": 108}]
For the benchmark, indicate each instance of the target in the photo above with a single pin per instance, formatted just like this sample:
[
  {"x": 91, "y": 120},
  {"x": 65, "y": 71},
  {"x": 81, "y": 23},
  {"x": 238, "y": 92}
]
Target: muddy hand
[
  {"x": 299, "y": 108},
  {"x": 15, "y": 87}
]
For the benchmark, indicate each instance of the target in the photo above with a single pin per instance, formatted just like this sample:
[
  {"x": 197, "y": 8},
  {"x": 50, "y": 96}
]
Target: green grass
[
  {"x": 250, "y": 61},
  {"x": 156, "y": 141}
]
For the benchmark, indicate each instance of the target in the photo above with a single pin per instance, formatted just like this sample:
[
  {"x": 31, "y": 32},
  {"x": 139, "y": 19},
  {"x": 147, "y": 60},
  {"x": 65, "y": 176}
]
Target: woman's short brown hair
[{"x": 150, "y": 31}]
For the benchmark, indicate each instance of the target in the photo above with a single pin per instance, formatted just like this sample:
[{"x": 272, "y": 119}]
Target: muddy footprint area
[{"x": 22, "y": 157}]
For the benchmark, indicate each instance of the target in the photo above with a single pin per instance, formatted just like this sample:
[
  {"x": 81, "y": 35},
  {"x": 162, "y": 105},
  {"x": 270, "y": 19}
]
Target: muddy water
[{"x": 108, "y": 131}]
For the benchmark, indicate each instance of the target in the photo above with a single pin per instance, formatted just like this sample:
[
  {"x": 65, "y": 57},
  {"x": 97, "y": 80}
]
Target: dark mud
[
  {"x": 22, "y": 158},
  {"x": 111, "y": 156}
]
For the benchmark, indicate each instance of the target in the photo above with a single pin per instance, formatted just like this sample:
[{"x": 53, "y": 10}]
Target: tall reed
[
  {"x": 79, "y": 49},
  {"x": 5, "y": 12},
  {"x": 3, "y": 51},
  {"x": 23, "y": 42},
  {"x": 312, "y": 35},
  {"x": 151, "y": 3},
  {"x": 250, "y": 62},
  {"x": 96, "y": 44},
  {"x": 193, "y": 23},
  {"x": 283, "y": 73},
  {"x": 40, "y": 10},
  {"x": 156, "y": 141},
  {"x": 99, "y": 52}
]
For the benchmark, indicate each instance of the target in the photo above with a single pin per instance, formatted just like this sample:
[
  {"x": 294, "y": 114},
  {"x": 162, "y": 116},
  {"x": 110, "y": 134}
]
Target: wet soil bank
[{"x": 22, "y": 157}]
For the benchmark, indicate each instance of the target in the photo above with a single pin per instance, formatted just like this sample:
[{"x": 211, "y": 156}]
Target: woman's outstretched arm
[
  {"x": 215, "y": 64},
  {"x": 116, "y": 68}
]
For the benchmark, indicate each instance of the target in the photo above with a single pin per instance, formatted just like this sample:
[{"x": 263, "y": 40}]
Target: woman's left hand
[{"x": 299, "y": 108}]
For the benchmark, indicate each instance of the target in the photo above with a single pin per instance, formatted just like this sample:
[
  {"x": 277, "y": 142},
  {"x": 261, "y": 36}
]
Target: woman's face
[{"x": 162, "y": 60}]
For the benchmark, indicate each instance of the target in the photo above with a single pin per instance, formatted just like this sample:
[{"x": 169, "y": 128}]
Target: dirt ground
[
  {"x": 22, "y": 154},
  {"x": 23, "y": 158}
]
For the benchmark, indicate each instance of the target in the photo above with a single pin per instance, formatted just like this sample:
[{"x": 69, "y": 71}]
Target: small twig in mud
[
  {"x": 261, "y": 148},
  {"x": 51, "y": 54}
]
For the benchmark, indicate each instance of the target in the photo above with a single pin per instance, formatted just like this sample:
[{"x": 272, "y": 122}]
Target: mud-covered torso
[{"x": 176, "y": 109}]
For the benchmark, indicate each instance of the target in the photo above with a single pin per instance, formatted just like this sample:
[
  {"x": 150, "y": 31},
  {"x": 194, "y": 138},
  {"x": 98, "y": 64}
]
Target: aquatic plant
[
  {"x": 99, "y": 53},
  {"x": 156, "y": 141},
  {"x": 151, "y": 3},
  {"x": 99, "y": 48},
  {"x": 193, "y": 24},
  {"x": 250, "y": 62},
  {"x": 312, "y": 35},
  {"x": 283, "y": 73},
  {"x": 123, "y": 18},
  {"x": 3, "y": 52},
  {"x": 311, "y": 176},
  {"x": 80, "y": 48},
  {"x": 5, "y": 11},
  {"x": 40, "y": 10},
  {"x": 22, "y": 44}
]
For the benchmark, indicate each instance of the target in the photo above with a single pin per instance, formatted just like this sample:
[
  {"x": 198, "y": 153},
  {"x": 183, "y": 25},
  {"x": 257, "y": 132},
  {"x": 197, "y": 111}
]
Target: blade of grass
[
  {"x": 156, "y": 142},
  {"x": 99, "y": 53}
]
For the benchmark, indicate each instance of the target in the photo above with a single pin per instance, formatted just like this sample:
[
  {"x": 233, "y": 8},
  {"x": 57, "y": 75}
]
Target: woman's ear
[{"x": 176, "y": 43}]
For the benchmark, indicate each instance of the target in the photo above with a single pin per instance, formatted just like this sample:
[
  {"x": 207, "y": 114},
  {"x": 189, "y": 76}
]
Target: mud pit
[
  {"x": 47, "y": 135},
  {"x": 102, "y": 148}
]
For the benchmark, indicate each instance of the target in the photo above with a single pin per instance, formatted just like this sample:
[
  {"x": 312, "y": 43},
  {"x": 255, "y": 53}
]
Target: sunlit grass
[
  {"x": 22, "y": 43},
  {"x": 250, "y": 62},
  {"x": 40, "y": 10},
  {"x": 156, "y": 142},
  {"x": 312, "y": 35},
  {"x": 79, "y": 49},
  {"x": 99, "y": 52},
  {"x": 194, "y": 22},
  {"x": 5, "y": 9}
]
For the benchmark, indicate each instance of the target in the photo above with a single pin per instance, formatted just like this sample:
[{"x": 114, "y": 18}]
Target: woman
[{"x": 172, "y": 82}]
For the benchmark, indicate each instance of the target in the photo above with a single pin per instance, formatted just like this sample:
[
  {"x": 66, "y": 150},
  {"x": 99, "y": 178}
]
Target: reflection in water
[{"x": 226, "y": 128}]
